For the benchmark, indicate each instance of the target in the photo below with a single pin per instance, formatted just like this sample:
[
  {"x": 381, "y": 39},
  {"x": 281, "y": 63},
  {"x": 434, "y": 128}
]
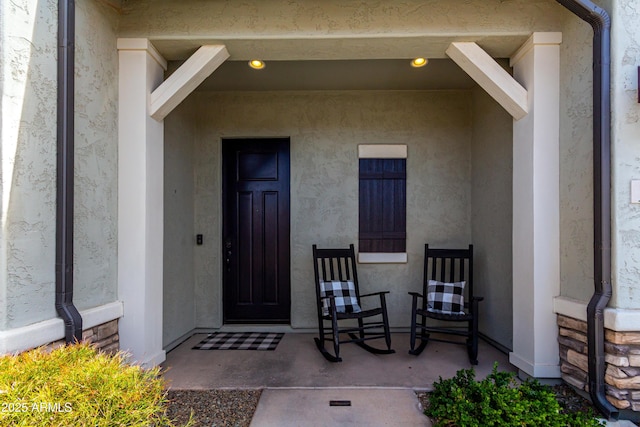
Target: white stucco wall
[
  {"x": 28, "y": 84},
  {"x": 576, "y": 187},
  {"x": 576, "y": 159},
  {"x": 96, "y": 155},
  {"x": 492, "y": 215},
  {"x": 325, "y": 130},
  {"x": 625, "y": 59},
  {"x": 179, "y": 311},
  {"x": 158, "y": 19},
  {"x": 28, "y": 161}
]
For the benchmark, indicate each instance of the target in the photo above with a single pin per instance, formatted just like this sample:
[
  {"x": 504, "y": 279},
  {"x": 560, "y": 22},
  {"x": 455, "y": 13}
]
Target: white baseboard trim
[
  {"x": 154, "y": 360},
  {"x": 45, "y": 332},
  {"x": 536, "y": 371},
  {"x": 616, "y": 319},
  {"x": 277, "y": 328},
  {"x": 176, "y": 342}
]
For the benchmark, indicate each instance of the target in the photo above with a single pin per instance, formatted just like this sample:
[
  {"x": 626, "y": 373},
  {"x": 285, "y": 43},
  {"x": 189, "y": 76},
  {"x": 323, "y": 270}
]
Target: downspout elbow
[
  {"x": 595, "y": 348},
  {"x": 71, "y": 317}
]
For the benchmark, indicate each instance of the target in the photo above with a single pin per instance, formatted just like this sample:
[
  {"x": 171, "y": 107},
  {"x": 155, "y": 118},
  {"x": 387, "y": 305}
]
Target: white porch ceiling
[
  {"x": 338, "y": 63},
  {"x": 382, "y": 74}
]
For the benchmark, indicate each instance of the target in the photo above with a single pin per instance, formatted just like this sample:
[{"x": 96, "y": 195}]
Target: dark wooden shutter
[{"x": 382, "y": 205}]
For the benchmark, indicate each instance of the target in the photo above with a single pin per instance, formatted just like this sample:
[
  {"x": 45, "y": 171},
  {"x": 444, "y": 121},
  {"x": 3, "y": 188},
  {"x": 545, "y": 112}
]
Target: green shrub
[
  {"x": 77, "y": 386},
  {"x": 498, "y": 401}
]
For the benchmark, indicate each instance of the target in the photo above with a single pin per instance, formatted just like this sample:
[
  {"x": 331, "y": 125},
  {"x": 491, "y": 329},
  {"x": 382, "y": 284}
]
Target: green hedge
[
  {"x": 498, "y": 401},
  {"x": 77, "y": 386}
]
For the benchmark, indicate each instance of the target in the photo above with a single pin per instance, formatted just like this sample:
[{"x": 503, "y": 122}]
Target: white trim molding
[
  {"x": 45, "y": 332},
  {"x": 141, "y": 44},
  {"x": 382, "y": 151},
  {"x": 535, "y": 370},
  {"x": 538, "y": 39},
  {"x": 616, "y": 319},
  {"x": 382, "y": 257}
]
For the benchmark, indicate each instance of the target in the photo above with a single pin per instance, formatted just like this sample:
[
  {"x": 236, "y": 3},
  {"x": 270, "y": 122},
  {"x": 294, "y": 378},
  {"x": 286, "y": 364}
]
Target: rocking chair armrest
[
  {"x": 331, "y": 298},
  {"x": 474, "y": 306},
  {"x": 374, "y": 294},
  {"x": 332, "y": 305},
  {"x": 416, "y": 294}
]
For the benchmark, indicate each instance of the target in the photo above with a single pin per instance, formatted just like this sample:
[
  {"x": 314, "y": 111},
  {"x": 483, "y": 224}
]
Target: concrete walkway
[{"x": 312, "y": 407}]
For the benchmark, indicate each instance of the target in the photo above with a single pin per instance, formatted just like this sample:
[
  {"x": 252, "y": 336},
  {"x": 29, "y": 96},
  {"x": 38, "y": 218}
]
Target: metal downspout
[
  {"x": 601, "y": 24},
  {"x": 64, "y": 178}
]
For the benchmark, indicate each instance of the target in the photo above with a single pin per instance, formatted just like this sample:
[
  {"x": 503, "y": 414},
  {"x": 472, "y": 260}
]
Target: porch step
[{"x": 325, "y": 407}]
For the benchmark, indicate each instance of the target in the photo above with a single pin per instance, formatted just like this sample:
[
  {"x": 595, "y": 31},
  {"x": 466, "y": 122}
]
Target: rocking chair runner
[
  {"x": 338, "y": 299},
  {"x": 448, "y": 276}
]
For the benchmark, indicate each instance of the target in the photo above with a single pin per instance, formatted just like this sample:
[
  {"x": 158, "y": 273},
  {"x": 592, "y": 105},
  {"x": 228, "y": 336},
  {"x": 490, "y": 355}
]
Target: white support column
[
  {"x": 536, "y": 209},
  {"x": 140, "y": 202}
]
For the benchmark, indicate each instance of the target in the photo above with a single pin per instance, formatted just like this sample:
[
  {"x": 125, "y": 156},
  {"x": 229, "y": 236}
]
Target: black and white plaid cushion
[
  {"x": 345, "y": 296},
  {"x": 445, "y": 298}
]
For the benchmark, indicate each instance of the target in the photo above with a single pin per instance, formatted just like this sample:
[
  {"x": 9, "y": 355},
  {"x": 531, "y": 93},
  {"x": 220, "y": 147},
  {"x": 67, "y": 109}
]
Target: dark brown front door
[{"x": 256, "y": 230}]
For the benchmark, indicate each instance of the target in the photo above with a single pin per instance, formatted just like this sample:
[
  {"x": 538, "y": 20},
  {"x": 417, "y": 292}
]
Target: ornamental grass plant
[
  {"x": 498, "y": 400},
  {"x": 77, "y": 386}
]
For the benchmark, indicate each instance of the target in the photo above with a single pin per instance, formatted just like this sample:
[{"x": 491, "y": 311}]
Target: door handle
[{"x": 227, "y": 246}]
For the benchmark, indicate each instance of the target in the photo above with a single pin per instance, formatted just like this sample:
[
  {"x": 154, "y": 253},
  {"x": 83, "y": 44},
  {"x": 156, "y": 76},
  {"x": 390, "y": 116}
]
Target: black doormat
[{"x": 240, "y": 341}]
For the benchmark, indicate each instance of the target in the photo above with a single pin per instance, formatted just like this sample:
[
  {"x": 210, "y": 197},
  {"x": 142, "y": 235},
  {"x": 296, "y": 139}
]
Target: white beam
[
  {"x": 185, "y": 79},
  {"x": 490, "y": 76}
]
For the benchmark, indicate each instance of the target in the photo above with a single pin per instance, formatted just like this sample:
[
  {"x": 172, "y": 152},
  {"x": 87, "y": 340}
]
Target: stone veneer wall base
[
  {"x": 622, "y": 359},
  {"x": 103, "y": 337}
]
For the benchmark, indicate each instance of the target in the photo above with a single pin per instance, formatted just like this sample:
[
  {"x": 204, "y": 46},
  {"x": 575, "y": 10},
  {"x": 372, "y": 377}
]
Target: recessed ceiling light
[
  {"x": 419, "y": 62},
  {"x": 256, "y": 64}
]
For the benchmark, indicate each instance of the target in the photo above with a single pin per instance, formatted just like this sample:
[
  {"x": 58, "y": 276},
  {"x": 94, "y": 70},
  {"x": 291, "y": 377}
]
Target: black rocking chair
[
  {"x": 338, "y": 298},
  {"x": 446, "y": 298}
]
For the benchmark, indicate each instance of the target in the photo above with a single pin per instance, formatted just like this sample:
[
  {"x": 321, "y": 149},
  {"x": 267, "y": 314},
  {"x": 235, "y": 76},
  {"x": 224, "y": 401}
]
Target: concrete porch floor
[
  {"x": 298, "y": 382},
  {"x": 297, "y": 363}
]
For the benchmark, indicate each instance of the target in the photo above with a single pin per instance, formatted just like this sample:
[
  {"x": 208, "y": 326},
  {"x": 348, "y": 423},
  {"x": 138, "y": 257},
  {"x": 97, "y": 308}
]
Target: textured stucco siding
[
  {"x": 28, "y": 160},
  {"x": 576, "y": 156},
  {"x": 96, "y": 156},
  {"x": 492, "y": 215},
  {"x": 27, "y": 255},
  {"x": 625, "y": 60},
  {"x": 576, "y": 160},
  {"x": 151, "y": 18},
  {"x": 179, "y": 311},
  {"x": 325, "y": 130}
]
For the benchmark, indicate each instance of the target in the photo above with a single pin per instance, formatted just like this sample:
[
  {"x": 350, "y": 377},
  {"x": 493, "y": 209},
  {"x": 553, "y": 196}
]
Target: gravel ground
[
  {"x": 235, "y": 408},
  {"x": 220, "y": 408}
]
